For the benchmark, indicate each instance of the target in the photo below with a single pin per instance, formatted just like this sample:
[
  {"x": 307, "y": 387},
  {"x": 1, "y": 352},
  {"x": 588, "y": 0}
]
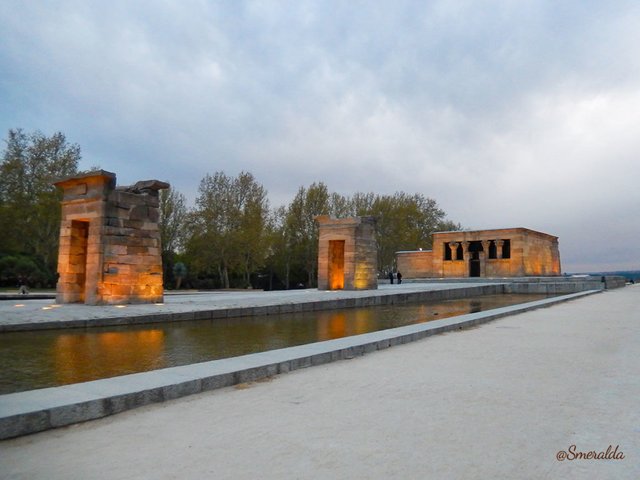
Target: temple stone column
[
  {"x": 486, "y": 244},
  {"x": 454, "y": 250},
  {"x": 499, "y": 244},
  {"x": 466, "y": 257}
]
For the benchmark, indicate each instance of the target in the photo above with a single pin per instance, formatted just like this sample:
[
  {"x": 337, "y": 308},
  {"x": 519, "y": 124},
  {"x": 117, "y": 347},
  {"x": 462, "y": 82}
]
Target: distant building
[{"x": 509, "y": 252}]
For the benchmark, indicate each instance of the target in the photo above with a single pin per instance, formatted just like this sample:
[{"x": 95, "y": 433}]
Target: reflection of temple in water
[
  {"x": 338, "y": 324},
  {"x": 80, "y": 358}
]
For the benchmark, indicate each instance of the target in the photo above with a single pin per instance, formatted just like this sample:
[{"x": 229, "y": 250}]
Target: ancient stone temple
[
  {"x": 511, "y": 252},
  {"x": 109, "y": 241},
  {"x": 347, "y": 254}
]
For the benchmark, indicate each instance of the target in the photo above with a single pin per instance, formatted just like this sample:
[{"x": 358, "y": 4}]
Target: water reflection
[
  {"x": 59, "y": 357},
  {"x": 79, "y": 356}
]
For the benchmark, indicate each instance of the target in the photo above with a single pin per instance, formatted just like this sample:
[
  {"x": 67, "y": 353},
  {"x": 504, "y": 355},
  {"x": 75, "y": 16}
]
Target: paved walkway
[
  {"x": 43, "y": 311},
  {"x": 497, "y": 401}
]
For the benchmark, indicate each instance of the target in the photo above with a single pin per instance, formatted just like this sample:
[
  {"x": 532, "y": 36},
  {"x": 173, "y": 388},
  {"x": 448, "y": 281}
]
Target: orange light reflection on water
[
  {"x": 340, "y": 324},
  {"x": 84, "y": 357}
]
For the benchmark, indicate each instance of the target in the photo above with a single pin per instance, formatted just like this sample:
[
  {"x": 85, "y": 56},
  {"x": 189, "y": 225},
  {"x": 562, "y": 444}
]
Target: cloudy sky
[{"x": 508, "y": 113}]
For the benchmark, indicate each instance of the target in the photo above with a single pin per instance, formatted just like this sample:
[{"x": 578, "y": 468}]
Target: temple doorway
[
  {"x": 78, "y": 257},
  {"x": 475, "y": 248},
  {"x": 474, "y": 265},
  {"x": 336, "y": 264}
]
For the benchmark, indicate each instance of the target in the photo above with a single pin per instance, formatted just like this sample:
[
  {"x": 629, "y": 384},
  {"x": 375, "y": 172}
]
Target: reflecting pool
[{"x": 58, "y": 357}]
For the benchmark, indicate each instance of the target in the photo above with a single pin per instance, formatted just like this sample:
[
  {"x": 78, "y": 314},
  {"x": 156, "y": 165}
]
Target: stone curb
[
  {"x": 33, "y": 411},
  {"x": 28, "y": 296}
]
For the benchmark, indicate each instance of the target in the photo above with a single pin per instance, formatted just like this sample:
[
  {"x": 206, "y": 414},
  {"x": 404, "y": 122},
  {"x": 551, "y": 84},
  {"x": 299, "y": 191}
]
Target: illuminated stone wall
[
  {"x": 109, "y": 241},
  {"x": 347, "y": 253},
  {"x": 413, "y": 264},
  {"x": 512, "y": 252}
]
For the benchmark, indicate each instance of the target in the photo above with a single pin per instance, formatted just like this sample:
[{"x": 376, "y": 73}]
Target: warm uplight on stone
[
  {"x": 347, "y": 253},
  {"x": 109, "y": 241},
  {"x": 511, "y": 252}
]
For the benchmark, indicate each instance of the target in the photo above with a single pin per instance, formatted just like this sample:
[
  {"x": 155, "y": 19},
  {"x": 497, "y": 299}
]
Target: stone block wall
[
  {"x": 415, "y": 264},
  {"x": 347, "y": 253},
  {"x": 110, "y": 249},
  {"x": 614, "y": 281},
  {"x": 540, "y": 254}
]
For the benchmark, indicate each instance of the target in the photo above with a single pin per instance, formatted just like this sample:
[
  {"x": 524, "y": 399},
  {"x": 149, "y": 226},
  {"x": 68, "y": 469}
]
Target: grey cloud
[{"x": 505, "y": 112}]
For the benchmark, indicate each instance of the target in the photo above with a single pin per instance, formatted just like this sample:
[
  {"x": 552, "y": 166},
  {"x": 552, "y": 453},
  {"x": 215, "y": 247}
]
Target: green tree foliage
[
  {"x": 229, "y": 228},
  {"x": 280, "y": 255},
  {"x": 29, "y": 203},
  {"x": 173, "y": 229},
  {"x": 301, "y": 230},
  {"x": 173, "y": 218},
  {"x": 15, "y": 269}
]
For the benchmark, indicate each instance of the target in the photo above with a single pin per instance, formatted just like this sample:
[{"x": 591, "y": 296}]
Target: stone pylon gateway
[
  {"x": 109, "y": 241},
  {"x": 347, "y": 253}
]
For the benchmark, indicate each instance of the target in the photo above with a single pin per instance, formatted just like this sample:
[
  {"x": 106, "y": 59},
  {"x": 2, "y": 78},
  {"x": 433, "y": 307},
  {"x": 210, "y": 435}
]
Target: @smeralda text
[{"x": 572, "y": 453}]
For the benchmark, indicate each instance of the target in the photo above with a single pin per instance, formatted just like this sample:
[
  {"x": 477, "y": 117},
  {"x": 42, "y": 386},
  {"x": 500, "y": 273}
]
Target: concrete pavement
[
  {"x": 496, "y": 401},
  {"x": 35, "y": 314}
]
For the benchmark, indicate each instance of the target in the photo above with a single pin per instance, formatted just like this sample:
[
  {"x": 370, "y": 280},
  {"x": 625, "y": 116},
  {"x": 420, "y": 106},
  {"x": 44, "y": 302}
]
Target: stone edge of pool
[
  {"x": 375, "y": 298},
  {"x": 33, "y": 411}
]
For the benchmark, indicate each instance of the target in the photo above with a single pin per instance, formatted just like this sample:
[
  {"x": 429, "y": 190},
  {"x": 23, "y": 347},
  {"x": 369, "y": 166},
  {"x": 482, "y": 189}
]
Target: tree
[
  {"x": 29, "y": 203},
  {"x": 301, "y": 229},
  {"x": 340, "y": 206},
  {"x": 229, "y": 227},
  {"x": 14, "y": 269},
  {"x": 173, "y": 217},
  {"x": 279, "y": 257},
  {"x": 252, "y": 234},
  {"x": 172, "y": 225}
]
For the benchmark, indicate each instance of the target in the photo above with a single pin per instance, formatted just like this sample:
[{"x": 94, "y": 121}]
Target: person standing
[
  {"x": 399, "y": 277},
  {"x": 390, "y": 277},
  {"x": 22, "y": 284}
]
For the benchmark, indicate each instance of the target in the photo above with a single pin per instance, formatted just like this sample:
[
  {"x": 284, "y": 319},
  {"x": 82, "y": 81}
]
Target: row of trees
[{"x": 230, "y": 238}]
